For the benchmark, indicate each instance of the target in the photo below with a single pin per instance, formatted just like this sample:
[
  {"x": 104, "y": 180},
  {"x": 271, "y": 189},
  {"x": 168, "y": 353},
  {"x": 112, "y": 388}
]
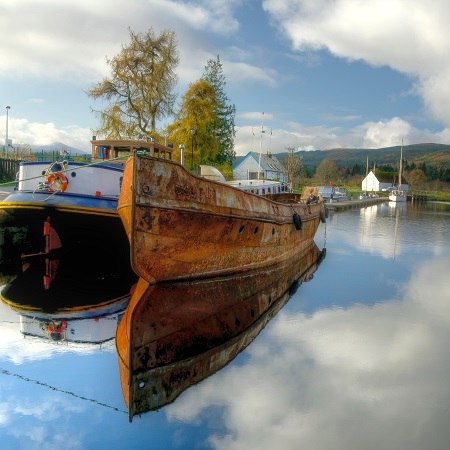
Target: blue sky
[{"x": 326, "y": 73}]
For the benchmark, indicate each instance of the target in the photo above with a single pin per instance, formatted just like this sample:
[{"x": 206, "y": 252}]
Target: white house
[
  {"x": 270, "y": 168},
  {"x": 377, "y": 181}
]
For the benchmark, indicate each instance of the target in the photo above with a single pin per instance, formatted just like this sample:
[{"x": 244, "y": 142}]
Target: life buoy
[
  {"x": 297, "y": 221},
  {"x": 57, "y": 182}
]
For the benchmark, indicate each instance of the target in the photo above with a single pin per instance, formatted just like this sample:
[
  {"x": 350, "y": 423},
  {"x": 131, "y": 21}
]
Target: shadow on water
[{"x": 75, "y": 288}]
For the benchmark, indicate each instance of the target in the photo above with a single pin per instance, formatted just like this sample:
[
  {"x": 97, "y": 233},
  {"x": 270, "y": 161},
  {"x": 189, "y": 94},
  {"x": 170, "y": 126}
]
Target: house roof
[{"x": 268, "y": 161}]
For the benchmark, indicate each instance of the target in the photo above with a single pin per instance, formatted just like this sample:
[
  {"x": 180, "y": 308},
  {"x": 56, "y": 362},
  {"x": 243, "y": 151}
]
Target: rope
[
  {"x": 10, "y": 183},
  {"x": 46, "y": 320},
  {"x": 53, "y": 388}
]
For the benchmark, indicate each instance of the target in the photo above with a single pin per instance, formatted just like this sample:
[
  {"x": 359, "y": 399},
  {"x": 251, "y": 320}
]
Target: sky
[{"x": 314, "y": 74}]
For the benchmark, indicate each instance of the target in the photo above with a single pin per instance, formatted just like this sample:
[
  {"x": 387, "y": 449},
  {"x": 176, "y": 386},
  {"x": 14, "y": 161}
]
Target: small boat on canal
[
  {"x": 183, "y": 226},
  {"x": 62, "y": 199},
  {"x": 174, "y": 335}
]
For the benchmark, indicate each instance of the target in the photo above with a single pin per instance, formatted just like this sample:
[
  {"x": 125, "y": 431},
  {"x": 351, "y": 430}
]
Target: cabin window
[
  {"x": 241, "y": 229},
  {"x": 255, "y": 231}
]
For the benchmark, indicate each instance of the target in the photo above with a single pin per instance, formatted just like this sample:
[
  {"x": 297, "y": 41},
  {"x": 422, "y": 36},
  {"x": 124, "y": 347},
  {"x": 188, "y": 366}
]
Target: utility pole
[{"x": 6, "y": 137}]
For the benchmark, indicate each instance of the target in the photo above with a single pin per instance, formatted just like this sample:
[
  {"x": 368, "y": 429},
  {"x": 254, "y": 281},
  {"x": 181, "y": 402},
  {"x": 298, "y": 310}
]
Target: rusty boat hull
[
  {"x": 174, "y": 335},
  {"x": 181, "y": 226}
]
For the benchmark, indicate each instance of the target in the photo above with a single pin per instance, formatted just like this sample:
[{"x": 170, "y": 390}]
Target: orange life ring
[{"x": 57, "y": 181}]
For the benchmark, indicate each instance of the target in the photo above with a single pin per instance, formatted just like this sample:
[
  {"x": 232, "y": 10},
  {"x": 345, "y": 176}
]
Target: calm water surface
[{"x": 357, "y": 359}]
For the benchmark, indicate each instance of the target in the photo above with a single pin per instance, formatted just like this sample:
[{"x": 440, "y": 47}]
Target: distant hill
[
  {"x": 57, "y": 147},
  {"x": 429, "y": 153}
]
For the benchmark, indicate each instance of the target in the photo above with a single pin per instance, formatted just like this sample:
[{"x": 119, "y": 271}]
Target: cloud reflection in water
[{"x": 367, "y": 377}]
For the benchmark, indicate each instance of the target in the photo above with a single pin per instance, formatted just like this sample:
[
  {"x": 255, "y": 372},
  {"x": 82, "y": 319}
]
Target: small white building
[
  {"x": 269, "y": 168},
  {"x": 377, "y": 181}
]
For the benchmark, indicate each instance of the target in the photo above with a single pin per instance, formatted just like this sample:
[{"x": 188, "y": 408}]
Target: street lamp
[
  {"x": 193, "y": 131},
  {"x": 6, "y": 137}
]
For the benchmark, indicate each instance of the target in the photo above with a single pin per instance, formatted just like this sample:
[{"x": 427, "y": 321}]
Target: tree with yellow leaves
[
  {"x": 139, "y": 90},
  {"x": 195, "y": 125}
]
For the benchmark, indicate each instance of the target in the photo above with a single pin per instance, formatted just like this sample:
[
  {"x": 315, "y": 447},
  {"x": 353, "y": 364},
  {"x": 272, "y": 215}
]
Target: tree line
[{"x": 418, "y": 176}]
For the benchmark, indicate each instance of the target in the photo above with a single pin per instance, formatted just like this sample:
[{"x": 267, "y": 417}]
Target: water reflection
[
  {"x": 175, "y": 335},
  {"x": 357, "y": 359},
  {"x": 361, "y": 377},
  {"x": 168, "y": 336},
  {"x": 65, "y": 290},
  {"x": 387, "y": 229}
]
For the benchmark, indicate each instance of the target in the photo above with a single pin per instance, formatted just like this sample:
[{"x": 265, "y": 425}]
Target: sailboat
[{"x": 398, "y": 195}]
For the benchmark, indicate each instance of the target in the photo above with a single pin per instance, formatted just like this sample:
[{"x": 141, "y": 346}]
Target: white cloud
[
  {"x": 410, "y": 36},
  {"x": 385, "y": 134},
  {"x": 71, "y": 39},
  {"x": 243, "y": 72},
  {"x": 35, "y": 133},
  {"x": 363, "y": 377}
]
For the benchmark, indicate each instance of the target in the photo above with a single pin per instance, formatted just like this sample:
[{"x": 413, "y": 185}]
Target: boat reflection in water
[
  {"x": 174, "y": 335},
  {"x": 71, "y": 290}
]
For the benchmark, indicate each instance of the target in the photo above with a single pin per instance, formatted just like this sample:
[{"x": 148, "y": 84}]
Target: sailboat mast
[
  {"x": 400, "y": 168},
  {"x": 260, "y": 144}
]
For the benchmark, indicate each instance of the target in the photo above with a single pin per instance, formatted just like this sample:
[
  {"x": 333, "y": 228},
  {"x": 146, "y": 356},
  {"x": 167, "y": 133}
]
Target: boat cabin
[
  {"x": 112, "y": 150},
  {"x": 261, "y": 187}
]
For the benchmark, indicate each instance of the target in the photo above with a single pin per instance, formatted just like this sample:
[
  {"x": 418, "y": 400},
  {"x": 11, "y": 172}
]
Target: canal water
[{"x": 357, "y": 358}]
